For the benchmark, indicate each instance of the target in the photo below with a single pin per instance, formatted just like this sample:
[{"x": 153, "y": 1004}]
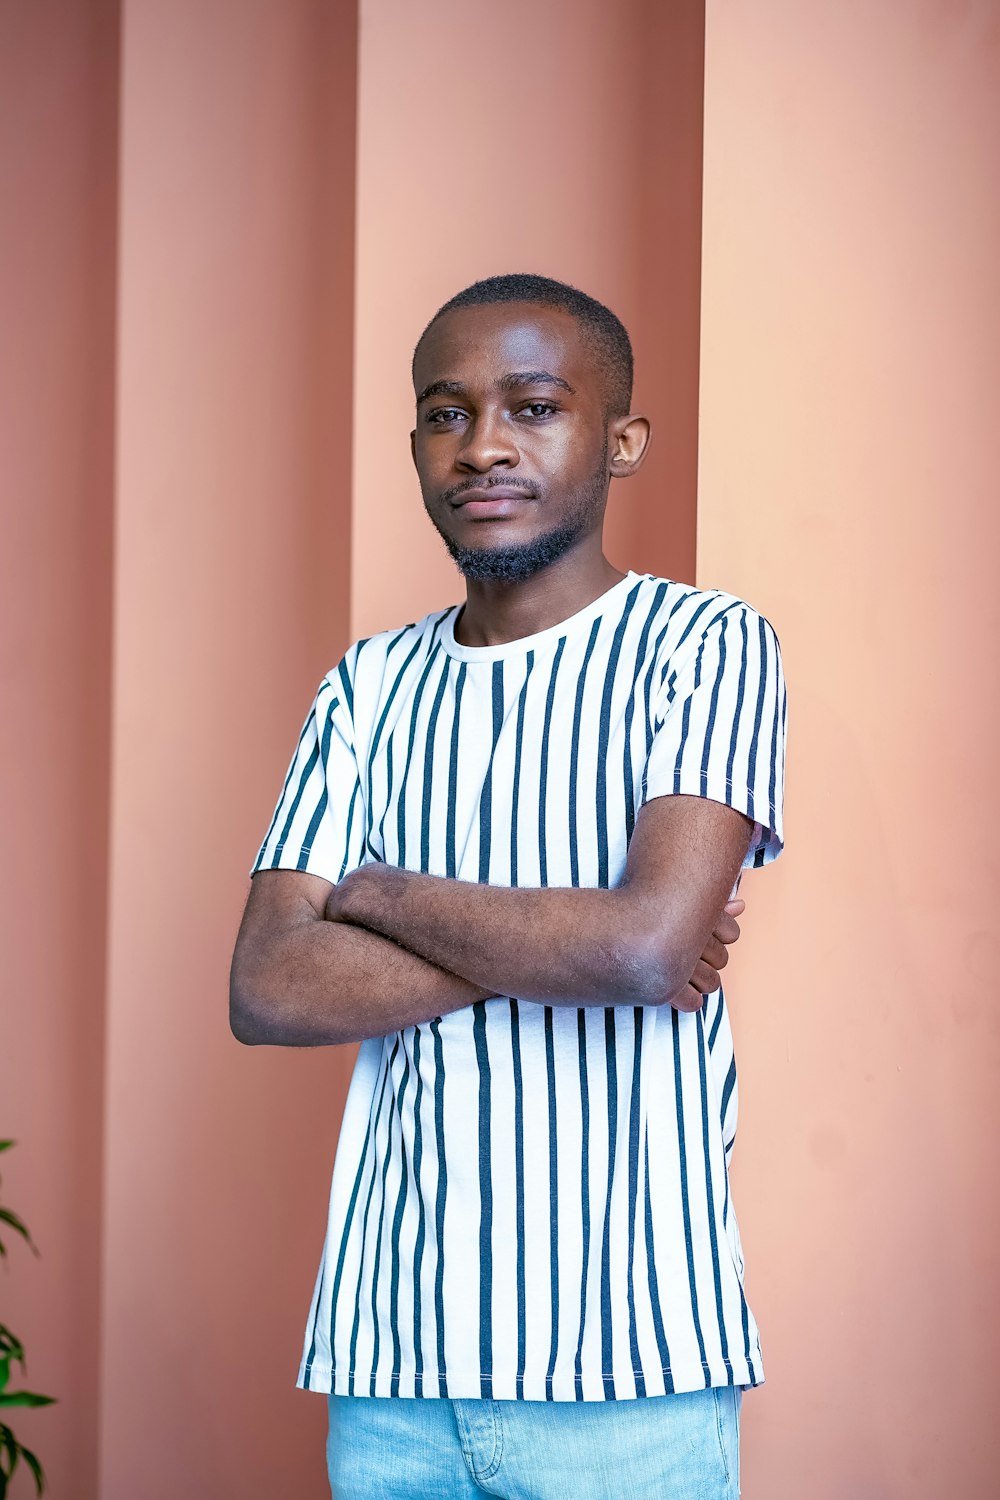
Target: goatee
[{"x": 514, "y": 563}]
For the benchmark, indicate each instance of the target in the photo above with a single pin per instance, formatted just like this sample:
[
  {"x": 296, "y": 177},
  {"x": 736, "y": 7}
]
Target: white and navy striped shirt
[{"x": 532, "y": 1201}]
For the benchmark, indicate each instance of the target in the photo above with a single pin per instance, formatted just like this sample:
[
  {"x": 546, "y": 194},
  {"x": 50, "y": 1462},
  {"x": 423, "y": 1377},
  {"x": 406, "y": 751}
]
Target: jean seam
[
  {"x": 494, "y": 1463},
  {"x": 722, "y": 1442}
]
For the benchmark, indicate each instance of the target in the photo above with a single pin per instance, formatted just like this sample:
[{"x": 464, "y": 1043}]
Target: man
[{"x": 501, "y": 861}]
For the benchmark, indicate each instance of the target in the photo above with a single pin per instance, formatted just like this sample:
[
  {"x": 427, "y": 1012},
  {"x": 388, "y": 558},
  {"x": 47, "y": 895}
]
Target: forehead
[{"x": 479, "y": 345}]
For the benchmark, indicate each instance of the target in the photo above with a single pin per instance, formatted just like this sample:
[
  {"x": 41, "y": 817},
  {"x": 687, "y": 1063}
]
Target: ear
[
  {"x": 413, "y": 446},
  {"x": 628, "y": 442}
]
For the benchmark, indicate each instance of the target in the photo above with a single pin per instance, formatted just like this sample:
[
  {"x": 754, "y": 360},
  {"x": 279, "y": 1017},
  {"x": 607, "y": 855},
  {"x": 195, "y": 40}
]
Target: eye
[
  {"x": 538, "y": 409},
  {"x": 442, "y": 414}
]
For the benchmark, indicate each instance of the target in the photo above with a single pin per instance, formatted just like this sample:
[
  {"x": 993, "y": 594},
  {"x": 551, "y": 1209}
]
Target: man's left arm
[{"x": 642, "y": 942}]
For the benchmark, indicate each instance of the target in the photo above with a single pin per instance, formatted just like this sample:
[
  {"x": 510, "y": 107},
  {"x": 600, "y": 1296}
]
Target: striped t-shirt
[{"x": 532, "y": 1201}]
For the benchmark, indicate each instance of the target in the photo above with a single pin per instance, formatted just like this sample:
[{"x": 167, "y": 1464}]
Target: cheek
[{"x": 566, "y": 453}]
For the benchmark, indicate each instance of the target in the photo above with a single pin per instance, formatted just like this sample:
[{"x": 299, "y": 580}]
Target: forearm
[
  {"x": 321, "y": 983},
  {"x": 567, "y": 946}
]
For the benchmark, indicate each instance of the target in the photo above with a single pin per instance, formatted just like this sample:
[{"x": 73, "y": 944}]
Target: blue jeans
[{"x": 678, "y": 1447}]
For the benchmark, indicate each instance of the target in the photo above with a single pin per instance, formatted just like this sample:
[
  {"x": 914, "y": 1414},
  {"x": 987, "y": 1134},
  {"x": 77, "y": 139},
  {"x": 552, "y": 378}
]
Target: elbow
[
  {"x": 252, "y": 1017},
  {"x": 648, "y": 971},
  {"x": 246, "y": 1021}
]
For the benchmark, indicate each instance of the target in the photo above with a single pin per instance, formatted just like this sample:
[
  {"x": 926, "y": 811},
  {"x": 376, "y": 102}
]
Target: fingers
[
  {"x": 727, "y": 930},
  {"x": 705, "y": 978},
  {"x": 689, "y": 999},
  {"x": 714, "y": 953}
]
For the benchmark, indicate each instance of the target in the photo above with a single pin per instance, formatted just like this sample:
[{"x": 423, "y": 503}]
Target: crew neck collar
[{"x": 541, "y": 638}]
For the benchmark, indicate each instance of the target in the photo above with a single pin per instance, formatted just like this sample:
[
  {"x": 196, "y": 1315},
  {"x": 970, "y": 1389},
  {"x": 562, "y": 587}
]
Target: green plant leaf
[
  {"x": 35, "y": 1468},
  {"x": 6, "y": 1145},
  {"x": 18, "y": 1225},
  {"x": 25, "y": 1398},
  {"x": 10, "y": 1443},
  {"x": 10, "y": 1345}
]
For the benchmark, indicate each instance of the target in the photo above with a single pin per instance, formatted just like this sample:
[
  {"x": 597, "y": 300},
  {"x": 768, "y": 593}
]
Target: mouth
[{"x": 486, "y": 504}]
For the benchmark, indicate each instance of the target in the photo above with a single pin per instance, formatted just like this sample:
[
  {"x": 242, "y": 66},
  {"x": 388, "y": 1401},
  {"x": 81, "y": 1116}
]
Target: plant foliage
[{"x": 12, "y": 1452}]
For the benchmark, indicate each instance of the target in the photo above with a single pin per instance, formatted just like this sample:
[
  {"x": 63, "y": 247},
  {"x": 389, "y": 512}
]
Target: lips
[
  {"x": 488, "y": 496},
  {"x": 490, "y": 504}
]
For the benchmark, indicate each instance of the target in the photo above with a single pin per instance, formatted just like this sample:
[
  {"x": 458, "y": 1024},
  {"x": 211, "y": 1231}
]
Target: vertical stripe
[
  {"x": 316, "y": 819},
  {"x": 353, "y": 1369},
  {"x": 604, "y": 730},
  {"x": 685, "y": 1199},
  {"x": 581, "y": 1036},
  {"x": 404, "y": 779},
  {"x": 344, "y": 1239},
  {"x": 515, "y": 1037},
  {"x": 310, "y": 724},
  {"x": 418, "y": 1246},
  {"x": 425, "y": 818},
  {"x": 442, "y": 1189},
  {"x": 633, "y": 1196},
  {"x": 515, "y": 1042},
  {"x": 740, "y": 692},
  {"x": 574, "y": 759},
  {"x": 543, "y": 863},
  {"x": 607, "y": 1333},
  {"x": 307, "y": 770},
  {"x": 397, "y": 1220},
  {"x": 550, "y": 1077},
  {"x": 486, "y": 795},
  {"x": 717, "y": 1018},
  {"x": 377, "y": 736},
  {"x": 758, "y": 713},
  {"x": 713, "y": 705},
  {"x": 772, "y": 759},
  {"x": 485, "y": 1204},
  {"x": 654, "y": 1291},
  {"x": 350, "y": 824},
  {"x": 376, "y": 1330},
  {"x": 518, "y": 747},
  {"x": 450, "y": 862},
  {"x": 710, "y": 1196},
  {"x": 640, "y": 656}
]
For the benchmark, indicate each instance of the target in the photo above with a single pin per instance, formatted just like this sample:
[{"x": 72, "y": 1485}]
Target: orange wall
[
  {"x": 523, "y": 138},
  {"x": 57, "y": 274},
  {"x": 230, "y": 593},
  {"x": 185, "y": 283},
  {"x": 849, "y": 454}
]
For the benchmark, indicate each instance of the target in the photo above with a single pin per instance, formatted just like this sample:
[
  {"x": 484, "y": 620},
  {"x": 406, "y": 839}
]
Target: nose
[{"x": 488, "y": 442}]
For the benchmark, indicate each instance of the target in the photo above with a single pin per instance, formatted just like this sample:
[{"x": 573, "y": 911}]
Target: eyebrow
[{"x": 513, "y": 382}]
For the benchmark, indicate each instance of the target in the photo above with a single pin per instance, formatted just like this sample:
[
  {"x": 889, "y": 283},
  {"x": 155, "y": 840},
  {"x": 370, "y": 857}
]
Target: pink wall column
[
  {"x": 552, "y": 138},
  {"x": 849, "y": 454},
  {"x": 231, "y": 575},
  {"x": 58, "y": 87}
]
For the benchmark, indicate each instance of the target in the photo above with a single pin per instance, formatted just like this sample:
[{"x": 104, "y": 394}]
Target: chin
[{"x": 511, "y": 562}]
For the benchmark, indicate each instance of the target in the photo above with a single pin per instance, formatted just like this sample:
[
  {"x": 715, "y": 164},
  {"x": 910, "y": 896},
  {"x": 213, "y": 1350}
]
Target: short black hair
[{"x": 602, "y": 328}]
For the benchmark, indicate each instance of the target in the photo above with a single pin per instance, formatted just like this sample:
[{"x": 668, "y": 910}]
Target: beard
[{"x": 513, "y": 562}]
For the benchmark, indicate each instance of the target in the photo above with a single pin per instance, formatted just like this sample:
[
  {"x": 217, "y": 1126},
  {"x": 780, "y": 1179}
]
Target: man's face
[{"x": 511, "y": 441}]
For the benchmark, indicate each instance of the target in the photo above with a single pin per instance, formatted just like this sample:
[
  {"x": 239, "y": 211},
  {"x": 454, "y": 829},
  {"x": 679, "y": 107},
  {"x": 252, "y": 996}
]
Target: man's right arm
[{"x": 298, "y": 980}]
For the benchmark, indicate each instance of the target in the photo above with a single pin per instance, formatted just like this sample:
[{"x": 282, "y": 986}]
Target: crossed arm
[{"x": 385, "y": 948}]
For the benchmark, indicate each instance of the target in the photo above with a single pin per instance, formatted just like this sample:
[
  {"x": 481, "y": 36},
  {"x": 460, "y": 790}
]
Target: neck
[{"x": 495, "y": 613}]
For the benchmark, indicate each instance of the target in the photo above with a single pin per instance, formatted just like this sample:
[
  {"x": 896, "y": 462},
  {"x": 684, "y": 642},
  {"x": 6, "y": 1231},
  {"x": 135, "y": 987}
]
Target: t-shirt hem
[{"x": 471, "y": 1385}]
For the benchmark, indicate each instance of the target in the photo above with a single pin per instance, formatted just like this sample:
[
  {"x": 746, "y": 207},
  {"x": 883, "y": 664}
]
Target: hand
[
  {"x": 351, "y": 897},
  {"x": 705, "y": 978}
]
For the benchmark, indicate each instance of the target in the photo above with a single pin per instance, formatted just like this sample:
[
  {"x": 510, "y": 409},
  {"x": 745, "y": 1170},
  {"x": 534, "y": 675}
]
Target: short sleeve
[
  {"x": 318, "y": 824},
  {"x": 720, "y": 725}
]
